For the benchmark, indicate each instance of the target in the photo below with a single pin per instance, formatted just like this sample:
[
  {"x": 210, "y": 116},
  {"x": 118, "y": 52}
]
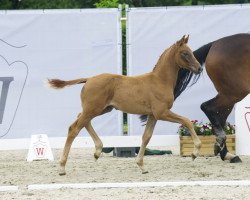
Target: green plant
[
  {"x": 205, "y": 129},
  {"x": 107, "y": 4}
]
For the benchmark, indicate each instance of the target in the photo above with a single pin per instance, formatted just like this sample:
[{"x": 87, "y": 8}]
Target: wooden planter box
[{"x": 207, "y": 149}]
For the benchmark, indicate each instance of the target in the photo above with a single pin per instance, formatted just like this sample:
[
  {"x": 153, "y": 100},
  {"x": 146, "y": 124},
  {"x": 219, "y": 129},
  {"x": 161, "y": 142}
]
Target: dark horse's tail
[{"x": 185, "y": 76}]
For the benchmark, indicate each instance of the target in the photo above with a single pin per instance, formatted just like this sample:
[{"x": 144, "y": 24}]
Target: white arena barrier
[
  {"x": 68, "y": 44},
  {"x": 137, "y": 184},
  {"x": 242, "y": 119}
]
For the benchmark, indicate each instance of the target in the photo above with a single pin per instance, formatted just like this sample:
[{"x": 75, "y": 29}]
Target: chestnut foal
[{"x": 150, "y": 94}]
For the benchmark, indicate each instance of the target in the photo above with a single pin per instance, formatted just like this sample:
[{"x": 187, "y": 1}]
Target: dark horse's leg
[{"x": 217, "y": 111}]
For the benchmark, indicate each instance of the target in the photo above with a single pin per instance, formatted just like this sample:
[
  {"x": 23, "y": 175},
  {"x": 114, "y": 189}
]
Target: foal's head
[{"x": 184, "y": 56}]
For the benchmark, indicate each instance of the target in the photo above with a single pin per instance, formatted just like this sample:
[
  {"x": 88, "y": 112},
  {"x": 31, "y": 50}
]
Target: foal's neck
[{"x": 166, "y": 68}]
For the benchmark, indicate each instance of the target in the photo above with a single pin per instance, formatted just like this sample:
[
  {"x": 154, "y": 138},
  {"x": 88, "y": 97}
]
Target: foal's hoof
[
  {"x": 96, "y": 157},
  {"x": 62, "y": 173},
  {"x": 236, "y": 159},
  {"x": 193, "y": 156},
  {"x": 144, "y": 172}
]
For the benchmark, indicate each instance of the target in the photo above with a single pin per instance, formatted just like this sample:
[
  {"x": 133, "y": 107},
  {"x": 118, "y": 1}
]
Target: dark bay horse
[
  {"x": 227, "y": 62},
  {"x": 150, "y": 94}
]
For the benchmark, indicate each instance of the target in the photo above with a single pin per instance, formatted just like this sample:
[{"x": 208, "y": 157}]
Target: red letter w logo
[{"x": 40, "y": 151}]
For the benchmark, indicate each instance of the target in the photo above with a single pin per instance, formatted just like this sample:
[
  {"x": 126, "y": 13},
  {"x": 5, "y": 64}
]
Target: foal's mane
[
  {"x": 161, "y": 58},
  {"x": 184, "y": 75}
]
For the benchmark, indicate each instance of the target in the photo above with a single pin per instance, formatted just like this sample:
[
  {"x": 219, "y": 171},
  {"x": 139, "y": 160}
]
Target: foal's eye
[{"x": 185, "y": 55}]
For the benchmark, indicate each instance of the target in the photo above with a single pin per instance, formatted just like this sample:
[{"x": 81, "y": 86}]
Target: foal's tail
[
  {"x": 201, "y": 53},
  {"x": 57, "y": 83}
]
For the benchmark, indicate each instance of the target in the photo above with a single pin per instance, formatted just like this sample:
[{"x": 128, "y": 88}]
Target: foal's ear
[
  {"x": 186, "y": 39},
  {"x": 183, "y": 40}
]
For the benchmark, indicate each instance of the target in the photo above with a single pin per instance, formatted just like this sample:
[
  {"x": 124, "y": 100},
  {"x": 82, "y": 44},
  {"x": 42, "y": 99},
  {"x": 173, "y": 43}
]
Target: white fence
[{"x": 68, "y": 44}]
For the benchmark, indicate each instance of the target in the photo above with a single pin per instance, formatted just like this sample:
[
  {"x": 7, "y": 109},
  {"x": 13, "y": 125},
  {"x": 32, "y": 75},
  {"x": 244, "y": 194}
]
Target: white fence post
[{"x": 242, "y": 121}]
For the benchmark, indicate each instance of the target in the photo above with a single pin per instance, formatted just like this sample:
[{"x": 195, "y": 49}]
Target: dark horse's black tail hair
[{"x": 185, "y": 76}]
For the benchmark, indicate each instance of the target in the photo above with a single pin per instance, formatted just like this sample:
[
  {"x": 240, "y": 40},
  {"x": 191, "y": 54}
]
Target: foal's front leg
[
  {"x": 172, "y": 117},
  {"x": 145, "y": 140}
]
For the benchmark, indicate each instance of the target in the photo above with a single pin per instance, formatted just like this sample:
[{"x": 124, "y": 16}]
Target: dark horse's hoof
[
  {"x": 236, "y": 159},
  {"x": 217, "y": 149}
]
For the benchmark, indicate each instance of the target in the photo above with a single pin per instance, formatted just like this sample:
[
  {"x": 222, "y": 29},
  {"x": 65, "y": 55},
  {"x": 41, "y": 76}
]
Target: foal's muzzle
[{"x": 195, "y": 70}]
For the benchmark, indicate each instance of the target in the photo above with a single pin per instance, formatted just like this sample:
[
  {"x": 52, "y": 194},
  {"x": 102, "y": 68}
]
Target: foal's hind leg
[
  {"x": 74, "y": 130},
  {"x": 145, "y": 140},
  {"x": 172, "y": 117},
  {"x": 96, "y": 139},
  {"x": 94, "y": 136}
]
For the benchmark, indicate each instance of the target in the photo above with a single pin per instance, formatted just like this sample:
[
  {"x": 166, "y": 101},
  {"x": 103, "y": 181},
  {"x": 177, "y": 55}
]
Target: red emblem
[{"x": 40, "y": 149}]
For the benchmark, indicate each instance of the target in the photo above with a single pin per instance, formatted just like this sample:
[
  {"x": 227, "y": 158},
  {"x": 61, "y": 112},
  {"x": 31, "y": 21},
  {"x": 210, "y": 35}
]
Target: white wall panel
[
  {"x": 152, "y": 30},
  {"x": 66, "y": 44}
]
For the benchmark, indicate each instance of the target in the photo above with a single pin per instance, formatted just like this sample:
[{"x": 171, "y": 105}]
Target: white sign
[
  {"x": 242, "y": 119},
  {"x": 39, "y": 148}
]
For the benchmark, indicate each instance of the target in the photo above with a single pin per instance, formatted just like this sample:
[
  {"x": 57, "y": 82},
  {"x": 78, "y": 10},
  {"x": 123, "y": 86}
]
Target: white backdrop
[
  {"x": 65, "y": 44},
  {"x": 152, "y": 30}
]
